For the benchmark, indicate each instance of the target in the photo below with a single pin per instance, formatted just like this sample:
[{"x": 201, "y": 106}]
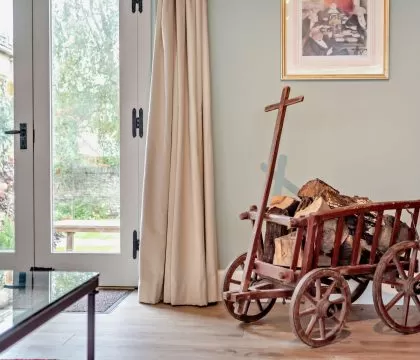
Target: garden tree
[
  {"x": 85, "y": 94},
  {"x": 6, "y": 166}
]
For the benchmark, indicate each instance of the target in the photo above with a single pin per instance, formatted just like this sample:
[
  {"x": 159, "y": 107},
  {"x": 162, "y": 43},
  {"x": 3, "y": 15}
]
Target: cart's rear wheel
[
  {"x": 318, "y": 319},
  {"x": 254, "y": 309},
  {"x": 396, "y": 288}
]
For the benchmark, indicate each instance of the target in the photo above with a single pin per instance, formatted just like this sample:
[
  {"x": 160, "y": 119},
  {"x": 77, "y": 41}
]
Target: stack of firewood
[{"x": 315, "y": 196}]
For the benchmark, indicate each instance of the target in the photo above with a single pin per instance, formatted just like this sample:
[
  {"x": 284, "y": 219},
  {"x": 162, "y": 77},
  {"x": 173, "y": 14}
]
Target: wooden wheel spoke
[
  {"x": 399, "y": 267},
  {"x": 260, "y": 305},
  {"x": 416, "y": 301},
  {"x": 310, "y": 298},
  {"x": 337, "y": 321},
  {"x": 406, "y": 308},
  {"x": 395, "y": 283},
  {"x": 236, "y": 282},
  {"x": 307, "y": 312},
  {"x": 394, "y": 300},
  {"x": 330, "y": 290},
  {"x": 318, "y": 288},
  {"x": 247, "y": 304},
  {"x": 311, "y": 325},
  {"x": 321, "y": 324},
  {"x": 338, "y": 301}
]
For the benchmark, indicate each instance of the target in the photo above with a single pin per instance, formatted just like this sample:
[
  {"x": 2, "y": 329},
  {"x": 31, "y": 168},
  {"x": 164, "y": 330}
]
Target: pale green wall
[{"x": 360, "y": 136}]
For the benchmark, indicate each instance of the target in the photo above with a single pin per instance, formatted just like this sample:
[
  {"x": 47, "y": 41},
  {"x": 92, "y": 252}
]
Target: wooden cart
[{"x": 320, "y": 295}]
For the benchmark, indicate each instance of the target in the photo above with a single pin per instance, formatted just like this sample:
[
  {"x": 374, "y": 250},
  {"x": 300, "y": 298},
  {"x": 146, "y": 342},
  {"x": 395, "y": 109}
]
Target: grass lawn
[{"x": 92, "y": 243}]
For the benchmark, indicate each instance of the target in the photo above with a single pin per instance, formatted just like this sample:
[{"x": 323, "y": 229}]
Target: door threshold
[{"x": 117, "y": 288}]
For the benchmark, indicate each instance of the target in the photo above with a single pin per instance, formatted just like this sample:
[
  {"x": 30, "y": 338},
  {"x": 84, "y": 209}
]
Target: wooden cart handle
[{"x": 289, "y": 102}]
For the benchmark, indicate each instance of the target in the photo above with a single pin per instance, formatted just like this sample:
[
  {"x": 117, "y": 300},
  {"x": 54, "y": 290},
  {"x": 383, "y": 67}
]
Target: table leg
[{"x": 91, "y": 326}]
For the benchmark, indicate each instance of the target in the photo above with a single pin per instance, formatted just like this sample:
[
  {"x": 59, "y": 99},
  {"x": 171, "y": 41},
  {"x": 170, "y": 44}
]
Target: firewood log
[
  {"x": 329, "y": 228},
  {"x": 316, "y": 188},
  {"x": 286, "y": 203},
  {"x": 279, "y": 205},
  {"x": 316, "y": 195},
  {"x": 386, "y": 233},
  {"x": 285, "y": 247},
  {"x": 284, "y": 250}
]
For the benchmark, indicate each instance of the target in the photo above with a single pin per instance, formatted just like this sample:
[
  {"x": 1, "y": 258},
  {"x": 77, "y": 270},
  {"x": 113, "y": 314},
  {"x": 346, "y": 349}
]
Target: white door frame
[
  {"x": 23, "y": 256},
  {"x": 116, "y": 269}
]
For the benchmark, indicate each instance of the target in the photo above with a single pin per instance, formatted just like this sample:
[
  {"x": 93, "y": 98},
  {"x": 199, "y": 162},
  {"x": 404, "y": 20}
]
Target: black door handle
[
  {"x": 23, "y": 128},
  {"x": 12, "y": 132},
  {"x": 136, "y": 244}
]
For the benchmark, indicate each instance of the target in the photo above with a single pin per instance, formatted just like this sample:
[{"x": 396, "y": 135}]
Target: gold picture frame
[{"x": 334, "y": 39}]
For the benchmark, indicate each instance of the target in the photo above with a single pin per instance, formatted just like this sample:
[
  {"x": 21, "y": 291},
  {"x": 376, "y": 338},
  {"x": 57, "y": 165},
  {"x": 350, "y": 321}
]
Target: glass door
[
  {"x": 16, "y": 141},
  {"x": 87, "y": 161}
]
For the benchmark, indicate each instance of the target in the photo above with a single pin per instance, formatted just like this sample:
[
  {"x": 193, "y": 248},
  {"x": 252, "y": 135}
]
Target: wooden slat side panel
[
  {"x": 376, "y": 235},
  {"x": 396, "y": 228},
  {"x": 318, "y": 243},
  {"x": 298, "y": 245},
  {"x": 413, "y": 224},
  {"x": 356, "y": 240},
  {"x": 337, "y": 242},
  {"x": 309, "y": 247}
]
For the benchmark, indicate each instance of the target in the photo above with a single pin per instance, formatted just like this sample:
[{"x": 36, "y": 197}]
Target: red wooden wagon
[{"x": 320, "y": 296}]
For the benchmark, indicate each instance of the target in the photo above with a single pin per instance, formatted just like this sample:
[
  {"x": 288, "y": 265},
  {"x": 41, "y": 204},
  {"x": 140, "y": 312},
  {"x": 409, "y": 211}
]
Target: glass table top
[{"x": 22, "y": 294}]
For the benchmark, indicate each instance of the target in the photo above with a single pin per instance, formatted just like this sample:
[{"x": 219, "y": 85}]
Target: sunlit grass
[{"x": 92, "y": 243}]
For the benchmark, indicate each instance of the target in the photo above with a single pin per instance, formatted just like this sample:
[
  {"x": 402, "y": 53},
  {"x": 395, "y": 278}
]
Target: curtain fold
[{"x": 178, "y": 251}]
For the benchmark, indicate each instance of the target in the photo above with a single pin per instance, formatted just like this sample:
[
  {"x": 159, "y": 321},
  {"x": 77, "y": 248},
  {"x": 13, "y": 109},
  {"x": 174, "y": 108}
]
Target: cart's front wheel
[
  {"x": 254, "y": 309},
  {"x": 396, "y": 288},
  {"x": 317, "y": 311}
]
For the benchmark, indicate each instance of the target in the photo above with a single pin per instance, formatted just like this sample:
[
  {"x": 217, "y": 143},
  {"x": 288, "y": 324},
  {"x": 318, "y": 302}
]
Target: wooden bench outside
[{"x": 70, "y": 227}]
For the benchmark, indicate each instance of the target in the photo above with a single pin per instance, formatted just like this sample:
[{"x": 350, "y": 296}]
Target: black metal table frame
[{"x": 16, "y": 333}]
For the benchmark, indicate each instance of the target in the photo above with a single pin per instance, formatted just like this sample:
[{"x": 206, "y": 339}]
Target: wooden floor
[{"x": 135, "y": 331}]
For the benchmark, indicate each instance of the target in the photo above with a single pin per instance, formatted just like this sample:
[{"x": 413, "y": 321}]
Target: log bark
[
  {"x": 285, "y": 247},
  {"x": 316, "y": 188}
]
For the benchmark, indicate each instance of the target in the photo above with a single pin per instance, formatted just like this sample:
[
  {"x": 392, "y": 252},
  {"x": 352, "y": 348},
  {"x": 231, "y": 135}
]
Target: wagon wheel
[
  {"x": 405, "y": 288},
  {"x": 317, "y": 320},
  {"x": 254, "y": 309}
]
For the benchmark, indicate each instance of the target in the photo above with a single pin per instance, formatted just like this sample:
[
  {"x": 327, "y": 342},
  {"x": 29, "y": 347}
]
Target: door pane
[
  {"x": 7, "y": 197},
  {"x": 86, "y": 126}
]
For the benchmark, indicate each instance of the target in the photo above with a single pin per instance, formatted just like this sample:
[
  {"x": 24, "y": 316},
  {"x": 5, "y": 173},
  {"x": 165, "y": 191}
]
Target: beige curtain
[{"x": 178, "y": 252}]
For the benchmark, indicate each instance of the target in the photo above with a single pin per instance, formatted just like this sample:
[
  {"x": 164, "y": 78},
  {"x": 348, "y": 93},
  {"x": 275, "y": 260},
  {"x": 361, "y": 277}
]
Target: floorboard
[{"x": 134, "y": 331}]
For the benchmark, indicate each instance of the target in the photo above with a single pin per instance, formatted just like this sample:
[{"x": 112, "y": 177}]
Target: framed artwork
[{"x": 334, "y": 39}]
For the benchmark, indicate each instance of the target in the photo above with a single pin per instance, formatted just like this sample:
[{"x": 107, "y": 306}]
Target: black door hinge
[
  {"x": 137, "y": 122},
  {"x": 134, "y": 3},
  {"x": 136, "y": 244}
]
